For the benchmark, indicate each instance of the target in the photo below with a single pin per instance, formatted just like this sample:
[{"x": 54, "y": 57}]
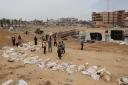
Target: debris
[
  {"x": 107, "y": 77},
  {"x": 30, "y": 46},
  {"x": 96, "y": 73},
  {"x": 20, "y": 54},
  {"x": 10, "y": 60},
  {"x": 123, "y": 43},
  {"x": 33, "y": 50},
  {"x": 102, "y": 73},
  {"x": 11, "y": 29},
  {"x": 50, "y": 65},
  {"x": 71, "y": 69},
  {"x": 41, "y": 64},
  {"x": 95, "y": 76},
  {"x": 120, "y": 42},
  {"x": 21, "y": 82},
  {"x": 87, "y": 64},
  {"x": 12, "y": 54},
  {"x": 81, "y": 68},
  {"x": 90, "y": 70},
  {"x": 47, "y": 60},
  {"x": 32, "y": 60},
  {"x": 8, "y": 82},
  {"x": 62, "y": 66},
  {"x": 123, "y": 80}
]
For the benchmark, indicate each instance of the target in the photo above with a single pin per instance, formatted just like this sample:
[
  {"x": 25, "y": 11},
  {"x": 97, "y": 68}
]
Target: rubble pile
[
  {"x": 12, "y": 54},
  {"x": 30, "y": 46},
  {"x": 32, "y": 60},
  {"x": 21, "y": 52},
  {"x": 96, "y": 73}
]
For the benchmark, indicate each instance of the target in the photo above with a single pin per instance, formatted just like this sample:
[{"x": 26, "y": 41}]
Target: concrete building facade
[
  {"x": 109, "y": 19},
  {"x": 126, "y": 22}
]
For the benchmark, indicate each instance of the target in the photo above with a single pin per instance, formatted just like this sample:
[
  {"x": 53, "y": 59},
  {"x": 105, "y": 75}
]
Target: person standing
[
  {"x": 55, "y": 39},
  {"x": 82, "y": 44},
  {"x": 59, "y": 51},
  {"x": 19, "y": 42},
  {"x": 43, "y": 38},
  {"x": 55, "y": 42},
  {"x": 19, "y": 37},
  {"x": 50, "y": 44},
  {"x": 63, "y": 47},
  {"x": 35, "y": 39},
  {"x": 26, "y": 32},
  {"x": 13, "y": 40},
  {"x": 44, "y": 46},
  {"x": 106, "y": 36},
  {"x": 47, "y": 37}
]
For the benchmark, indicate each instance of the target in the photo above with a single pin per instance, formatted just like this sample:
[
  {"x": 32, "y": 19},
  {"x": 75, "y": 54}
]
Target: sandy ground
[{"x": 113, "y": 57}]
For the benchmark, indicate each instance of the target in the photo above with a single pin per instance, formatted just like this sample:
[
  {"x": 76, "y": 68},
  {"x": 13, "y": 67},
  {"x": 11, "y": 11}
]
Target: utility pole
[
  {"x": 108, "y": 10},
  {"x": 108, "y": 5}
]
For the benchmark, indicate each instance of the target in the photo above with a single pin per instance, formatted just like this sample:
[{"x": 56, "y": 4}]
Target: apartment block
[{"x": 109, "y": 19}]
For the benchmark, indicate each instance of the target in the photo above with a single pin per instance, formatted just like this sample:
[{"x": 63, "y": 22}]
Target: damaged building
[
  {"x": 109, "y": 19},
  {"x": 104, "y": 34}
]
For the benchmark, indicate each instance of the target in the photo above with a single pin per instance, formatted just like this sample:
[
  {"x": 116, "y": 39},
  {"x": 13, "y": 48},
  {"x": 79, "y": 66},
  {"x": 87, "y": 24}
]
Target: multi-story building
[
  {"x": 126, "y": 22},
  {"x": 68, "y": 20},
  {"x": 109, "y": 19}
]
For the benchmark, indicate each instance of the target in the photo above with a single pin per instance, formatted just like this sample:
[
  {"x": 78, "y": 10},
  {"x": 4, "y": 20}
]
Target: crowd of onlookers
[
  {"x": 16, "y": 40},
  {"x": 48, "y": 41}
]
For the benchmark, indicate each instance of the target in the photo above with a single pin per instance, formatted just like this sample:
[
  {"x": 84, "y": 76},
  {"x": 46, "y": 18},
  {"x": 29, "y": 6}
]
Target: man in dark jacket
[
  {"x": 82, "y": 44},
  {"x": 59, "y": 51},
  {"x": 35, "y": 39}
]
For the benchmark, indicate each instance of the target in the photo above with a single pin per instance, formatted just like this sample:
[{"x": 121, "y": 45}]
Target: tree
[
  {"x": 1, "y": 23},
  {"x": 8, "y": 22}
]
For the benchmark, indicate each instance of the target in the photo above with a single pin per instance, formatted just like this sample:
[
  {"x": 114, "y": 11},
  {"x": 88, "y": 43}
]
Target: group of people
[
  {"x": 50, "y": 41},
  {"x": 47, "y": 40},
  {"x": 16, "y": 40}
]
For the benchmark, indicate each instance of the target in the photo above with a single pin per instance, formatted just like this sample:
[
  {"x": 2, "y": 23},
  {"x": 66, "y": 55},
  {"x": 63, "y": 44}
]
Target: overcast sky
[{"x": 43, "y": 9}]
